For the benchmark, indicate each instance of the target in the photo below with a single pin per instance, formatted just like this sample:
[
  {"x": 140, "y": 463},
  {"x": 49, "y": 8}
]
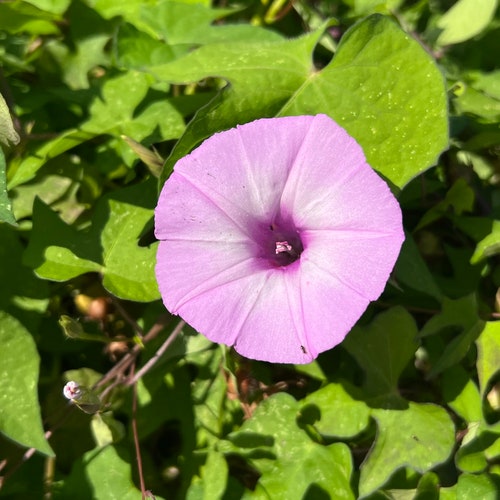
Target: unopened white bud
[{"x": 72, "y": 390}]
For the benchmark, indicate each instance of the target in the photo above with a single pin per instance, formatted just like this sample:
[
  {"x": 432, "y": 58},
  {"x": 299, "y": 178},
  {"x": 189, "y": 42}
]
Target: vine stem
[
  {"x": 135, "y": 433},
  {"x": 125, "y": 315},
  {"x": 121, "y": 366},
  {"x": 116, "y": 372},
  {"x": 159, "y": 353}
]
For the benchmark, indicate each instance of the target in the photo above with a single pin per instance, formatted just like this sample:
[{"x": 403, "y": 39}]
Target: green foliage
[
  {"x": 291, "y": 463},
  {"x": 60, "y": 252},
  {"x": 100, "y": 99},
  {"x": 20, "y": 418},
  {"x": 399, "y": 112},
  {"x": 464, "y": 20},
  {"x": 7, "y": 134},
  {"x": 401, "y": 104}
]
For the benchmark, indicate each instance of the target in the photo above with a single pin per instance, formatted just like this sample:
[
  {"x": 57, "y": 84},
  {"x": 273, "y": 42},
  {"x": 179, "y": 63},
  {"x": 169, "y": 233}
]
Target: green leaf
[
  {"x": 20, "y": 418},
  {"x": 186, "y": 23},
  {"x": 412, "y": 271},
  {"x": 383, "y": 349},
  {"x": 459, "y": 199},
  {"x": 420, "y": 437},
  {"x": 87, "y": 51},
  {"x": 462, "y": 395},
  {"x": 390, "y": 106},
  {"x": 465, "y": 19},
  {"x": 471, "y": 455},
  {"x": 29, "y": 166},
  {"x": 119, "y": 98},
  {"x": 209, "y": 394},
  {"x": 59, "y": 186},
  {"x": 483, "y": 486},
  {"x": 474, "y": 102},
  {"x": 300, "y": 465},
  {"x": 135, "y": 49},
  {"x": 488, "y": 354},
  {"x": 25, "y": 297},
  {"x": 339, "y": 414},
  {"x": 6, "y": 214},
  {"x": 16, "y": 17},
  {"x": 461, "y": 313},
  {"x": 428, "y": 489},
  {"x": 7, "y": 135},
  {"x": 106, "y": 429},
  {"x": 492, "y": 453},
  {"x": 214, "y": 476},
  {"x": 111, "y": 246},
  {"x": 53, "y": 6},
  {"x": 364, "y": 7},
  {"x": 7, "y": 132},
  {"x": 488, "y": 246},
  {"x": 114, "y": 114},
  {"x": 77, "y": 64},
  {"x": 461, "y": 316},
  {"x": 102, "y": 474}
]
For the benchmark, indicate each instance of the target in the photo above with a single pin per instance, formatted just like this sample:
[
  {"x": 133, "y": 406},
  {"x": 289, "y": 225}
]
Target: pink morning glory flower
[{"x": 275, "y": 236}]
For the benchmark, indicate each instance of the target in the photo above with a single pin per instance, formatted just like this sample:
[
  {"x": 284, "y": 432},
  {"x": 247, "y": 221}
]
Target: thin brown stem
[
  {"x": 48, "y": 477},
  {"x": 135, "y": 326},
  {"x": 115, "y": 374},
  {"x": 31, "y": 451},
  {"x": 159, "y": 353},
  {"x": 122, "y": 366},
  {"x": 136, "y": 438}
]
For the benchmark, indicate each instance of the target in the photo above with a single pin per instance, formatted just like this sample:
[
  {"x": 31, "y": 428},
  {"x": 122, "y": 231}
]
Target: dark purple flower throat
[{"x": 284, "y": 244}]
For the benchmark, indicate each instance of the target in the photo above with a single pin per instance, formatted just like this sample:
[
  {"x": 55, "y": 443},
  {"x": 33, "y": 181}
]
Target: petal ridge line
[
  {"x": 206, "y": 285},
  {"x": 216, "y": 205},
  {"x": 336, "y": 277},
  {"x": 250, "y": 309}
]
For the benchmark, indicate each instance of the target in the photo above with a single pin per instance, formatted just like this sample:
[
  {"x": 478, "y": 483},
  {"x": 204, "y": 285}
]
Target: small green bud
[
  {"x": 86, "y": 399},
  {"x": 150, "y": 158},
  {"x": 71, "y": 328}
]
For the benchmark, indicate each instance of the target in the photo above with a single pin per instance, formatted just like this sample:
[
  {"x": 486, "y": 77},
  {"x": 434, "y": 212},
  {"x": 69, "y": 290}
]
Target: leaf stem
[
  {"x": 157, "y": 355},
  {"x": 136, "y": 438}
]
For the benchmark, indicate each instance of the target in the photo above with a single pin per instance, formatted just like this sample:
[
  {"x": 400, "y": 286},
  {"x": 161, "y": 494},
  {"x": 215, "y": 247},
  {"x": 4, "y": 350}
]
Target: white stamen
[{"x": 283, "y": 246}]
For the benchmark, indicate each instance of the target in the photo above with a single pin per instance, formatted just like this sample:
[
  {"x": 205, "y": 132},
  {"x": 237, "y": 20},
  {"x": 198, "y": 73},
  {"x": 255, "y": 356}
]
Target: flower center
[{"x": 285, "y": 246}]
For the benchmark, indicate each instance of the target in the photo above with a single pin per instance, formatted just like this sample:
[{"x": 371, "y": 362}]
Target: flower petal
[
  {"x": 329, "y": 307},
  {"x": 331, "y": 186},
  {"x": 186, "y": 213},
  {"x": 247, "y": 167},
  {"x": 184, "y": 271},
  {"x": 361, "y": 261},
  {"x": 254, "y": 314},
  {"x": 216, "y": 216}
]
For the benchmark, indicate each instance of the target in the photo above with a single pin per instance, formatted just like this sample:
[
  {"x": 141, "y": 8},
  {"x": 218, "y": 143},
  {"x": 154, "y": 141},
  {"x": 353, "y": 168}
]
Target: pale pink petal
[
  {"x": 275, "y": 186},
  {"x": 188, "y": 214},
  {"x": 331, "y": 186},
  {"x": 362, "y": 262},
  {"x": 246, "y": 167},
  {"x": 329, "y": 307},
  {"x": 184, "y": 272},
  {"x": 255, "y": 315}
]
